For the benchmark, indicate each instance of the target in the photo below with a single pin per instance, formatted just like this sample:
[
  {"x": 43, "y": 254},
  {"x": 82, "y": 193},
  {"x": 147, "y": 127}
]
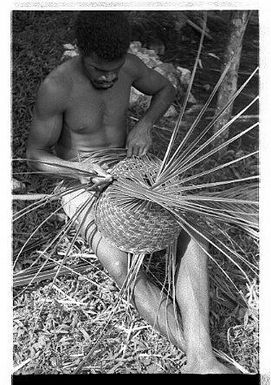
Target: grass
[
  {"x": 73, "y": 316},
  {"x": 55, "y": 339}
]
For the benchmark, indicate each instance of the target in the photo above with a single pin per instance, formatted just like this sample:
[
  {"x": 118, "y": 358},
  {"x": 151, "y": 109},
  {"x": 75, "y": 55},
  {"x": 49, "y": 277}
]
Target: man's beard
[{"x": 103, "y": 85}]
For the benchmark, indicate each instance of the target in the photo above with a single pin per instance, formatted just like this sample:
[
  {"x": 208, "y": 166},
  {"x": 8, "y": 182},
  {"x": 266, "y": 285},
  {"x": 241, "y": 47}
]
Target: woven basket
[{"x": 134, "y": 225}]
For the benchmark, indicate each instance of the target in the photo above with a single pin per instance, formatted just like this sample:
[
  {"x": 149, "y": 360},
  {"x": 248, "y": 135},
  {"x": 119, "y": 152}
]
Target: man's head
[{"x": 103, "y": 39}]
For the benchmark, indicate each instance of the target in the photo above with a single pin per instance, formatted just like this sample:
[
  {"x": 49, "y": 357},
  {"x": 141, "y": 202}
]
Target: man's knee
[
  {"x": 191, "y": 244},
  {"x": 118, "y": 270},
  {"x": 112, "y": 259}
]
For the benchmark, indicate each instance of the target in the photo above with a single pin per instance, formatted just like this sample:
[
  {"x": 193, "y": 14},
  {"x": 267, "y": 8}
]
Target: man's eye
[
  {"x": 95, "y": 68},
  {"x": 100, "y": 71}
]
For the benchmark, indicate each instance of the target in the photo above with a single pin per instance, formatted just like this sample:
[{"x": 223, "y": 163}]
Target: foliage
[{"x": 55, "y": 338}]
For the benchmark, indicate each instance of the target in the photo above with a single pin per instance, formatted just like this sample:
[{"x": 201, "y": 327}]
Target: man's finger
[
  {"x": 105, "y": 166},
  {"x": 101, "y": 181},
  {"x": 144, "y": 151},
  {"x": 98, "y": 186},
  {"x": 136, "y": 150},
  {"x": 129, "y": 152},
  {"x": 100, "y": 171},
  {"x": 140, "y": 151}
]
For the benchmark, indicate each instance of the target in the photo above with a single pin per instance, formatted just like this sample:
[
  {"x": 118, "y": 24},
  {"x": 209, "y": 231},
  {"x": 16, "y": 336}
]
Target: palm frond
[
  {"x": 179, "y": 165},
  {"x": 180, "y": 117},
  {"x": 32, "y": 235},
  {"x": 58, "y": 238},
  {"x": 192, "y": 145},
  {"x": 198, "y": 205},
  {"x": 34, "y": 274}
]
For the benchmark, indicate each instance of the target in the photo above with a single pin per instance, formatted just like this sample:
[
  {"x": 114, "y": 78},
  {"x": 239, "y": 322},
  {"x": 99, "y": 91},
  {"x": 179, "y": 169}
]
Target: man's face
[{"x": 102, "y": 74}]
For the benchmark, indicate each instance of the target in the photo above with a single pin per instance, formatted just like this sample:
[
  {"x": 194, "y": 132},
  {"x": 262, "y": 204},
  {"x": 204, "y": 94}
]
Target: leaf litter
[{"x": 75, "y": 310}]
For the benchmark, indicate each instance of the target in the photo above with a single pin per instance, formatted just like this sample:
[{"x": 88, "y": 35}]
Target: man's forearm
[
  {"x": 159, "y": 105},
  {"x": 139, "y": 139},
  {"x": 42, "y": 160}
]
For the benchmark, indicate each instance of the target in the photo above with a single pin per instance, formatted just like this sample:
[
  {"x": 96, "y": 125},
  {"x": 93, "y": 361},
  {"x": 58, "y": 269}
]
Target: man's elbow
[
  {"x": 172, "y": 92},
  {"x": 31, "y": 157},
  {"x": 169, "y": 91}
]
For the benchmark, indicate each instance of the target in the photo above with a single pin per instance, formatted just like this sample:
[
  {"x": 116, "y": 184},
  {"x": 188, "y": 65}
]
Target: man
[{"x": 82, "y": 106}]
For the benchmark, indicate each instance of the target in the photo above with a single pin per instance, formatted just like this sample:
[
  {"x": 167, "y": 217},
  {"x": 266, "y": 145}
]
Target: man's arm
[
  {"x": 45, "y": 131},
  {"x": 149, "y": 82},
  {"x": 46, "y": 128}
]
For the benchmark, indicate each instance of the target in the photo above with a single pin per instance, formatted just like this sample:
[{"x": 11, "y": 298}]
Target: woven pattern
[{"x": 134, "y": 224}]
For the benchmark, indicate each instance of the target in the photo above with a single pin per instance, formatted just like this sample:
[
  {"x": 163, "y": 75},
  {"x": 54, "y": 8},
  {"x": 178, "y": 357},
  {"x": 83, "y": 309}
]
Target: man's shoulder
[
  {"x": 59, "y": 81},
  {"x": 55, "y": 90},
  {"x": 133, "y": 65}
]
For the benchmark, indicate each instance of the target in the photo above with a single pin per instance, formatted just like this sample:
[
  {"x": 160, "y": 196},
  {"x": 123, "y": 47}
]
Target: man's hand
[
  {"x": 101, "y": 181},
  {"x": 139, "y": 140}
]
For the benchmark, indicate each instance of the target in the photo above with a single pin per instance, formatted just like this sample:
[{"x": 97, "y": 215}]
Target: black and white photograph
[{"x": 135, "y": 191}]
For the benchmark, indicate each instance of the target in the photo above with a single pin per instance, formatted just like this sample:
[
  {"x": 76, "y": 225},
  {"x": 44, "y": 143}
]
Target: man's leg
[
  {"x": 154, "y": 307},
  {"x": 192, "y": 292},
  {"x": 151, "y": 304}
]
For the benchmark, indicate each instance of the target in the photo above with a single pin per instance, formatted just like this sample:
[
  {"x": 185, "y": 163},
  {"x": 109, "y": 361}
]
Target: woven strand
[{"x": 136, "y": 226}]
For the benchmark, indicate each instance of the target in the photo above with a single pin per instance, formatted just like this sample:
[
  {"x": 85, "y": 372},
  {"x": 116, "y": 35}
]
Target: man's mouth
[{"x": 105, "y": 84}]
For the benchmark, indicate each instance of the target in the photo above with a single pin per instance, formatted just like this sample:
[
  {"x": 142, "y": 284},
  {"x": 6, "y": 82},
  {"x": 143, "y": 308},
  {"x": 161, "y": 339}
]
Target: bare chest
[{"x": 90, "y": 110}]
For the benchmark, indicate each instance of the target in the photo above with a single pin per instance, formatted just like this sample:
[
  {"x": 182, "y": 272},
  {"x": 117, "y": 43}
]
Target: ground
[{"x": 55, "y": 325}]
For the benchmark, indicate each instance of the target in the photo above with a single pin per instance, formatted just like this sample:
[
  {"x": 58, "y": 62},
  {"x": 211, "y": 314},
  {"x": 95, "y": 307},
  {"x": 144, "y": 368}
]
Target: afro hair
[{"x": 107, "y": 34}]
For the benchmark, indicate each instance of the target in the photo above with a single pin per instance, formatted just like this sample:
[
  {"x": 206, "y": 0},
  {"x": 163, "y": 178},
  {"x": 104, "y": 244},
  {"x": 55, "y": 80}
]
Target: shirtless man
[{"x": 82, "y": 105}]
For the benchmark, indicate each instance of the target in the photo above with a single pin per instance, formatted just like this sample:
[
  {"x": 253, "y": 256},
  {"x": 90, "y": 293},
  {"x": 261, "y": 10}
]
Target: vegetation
[{"x": 57, "y": 319}]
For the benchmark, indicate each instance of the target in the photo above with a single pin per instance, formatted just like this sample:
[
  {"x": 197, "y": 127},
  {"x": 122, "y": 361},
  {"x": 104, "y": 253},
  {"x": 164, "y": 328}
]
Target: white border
[
  {"x": 137, "y": 4},
  {"x": 5, "y": 221},
  {"x": 265, "y": 148}
]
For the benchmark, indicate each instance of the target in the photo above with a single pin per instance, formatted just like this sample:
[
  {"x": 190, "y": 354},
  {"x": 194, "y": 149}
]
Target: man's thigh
[{"x": 79, "y": 207}]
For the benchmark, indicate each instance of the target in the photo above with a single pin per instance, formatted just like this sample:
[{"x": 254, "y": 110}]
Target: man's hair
[{"x": 107, "y": 34}]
